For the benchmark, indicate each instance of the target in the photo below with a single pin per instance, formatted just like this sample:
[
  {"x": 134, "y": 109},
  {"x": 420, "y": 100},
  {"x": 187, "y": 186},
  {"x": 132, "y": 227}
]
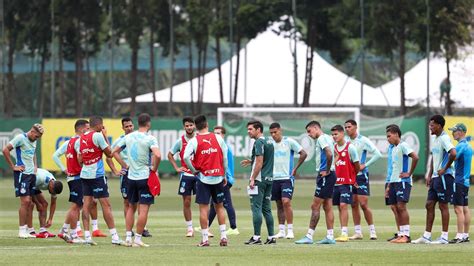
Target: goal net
[{"x": 292, "y": 121}]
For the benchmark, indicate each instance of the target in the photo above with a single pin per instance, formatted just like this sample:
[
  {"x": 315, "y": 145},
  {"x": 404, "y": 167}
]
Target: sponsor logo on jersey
[{"x": 209, "y": 151}]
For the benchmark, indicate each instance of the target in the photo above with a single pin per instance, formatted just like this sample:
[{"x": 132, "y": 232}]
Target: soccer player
[
  {"x": 93, "y": 144},
  {"x": 220, "y": 130},
  {"x": 325, "y": 181},
  {"x": 44, "y": 181},
  {"x": 210, "y": 164},
  {"x": 70, "y": 149},
  {"x": 361, "y": 194},
  {"x": 462, "y": 182},
  {"x": 347, "y": 166},
  {"x": 440, "y": 181},
  {"x": 142, "y": 150},
  {"x": 261, "y": 177},
  {"x": 187, "y": 180},
  {"x": 398, "y": 190},
  {"x": 24, "y": 171},
  {"x": 283, "y": 177}
]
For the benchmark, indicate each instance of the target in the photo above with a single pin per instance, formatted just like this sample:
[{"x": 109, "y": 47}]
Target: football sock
[
  {"x": 330, "y": 234},
  {"x": 95, "y": 225},
  {"x": 113, "y": 233},
  {"x": 444, "y": 235},
  {"x": 189, "y": 224},
  {"x": 427, "y": 235},
  {"x": 223, "y": 231},
  {"x": 358, "y": 229},
  {"x": 344, "y": 231},
  {"x": 310, "y": 234},
  {"x": 205, "y": 234}
]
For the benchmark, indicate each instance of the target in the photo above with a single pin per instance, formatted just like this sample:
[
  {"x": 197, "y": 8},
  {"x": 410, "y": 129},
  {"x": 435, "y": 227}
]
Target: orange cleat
[{"x": 98, "y": 233}]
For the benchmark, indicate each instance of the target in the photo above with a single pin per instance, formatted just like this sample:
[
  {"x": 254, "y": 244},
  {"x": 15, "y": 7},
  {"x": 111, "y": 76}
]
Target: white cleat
[
  {"x": 280, "y": 234},
  {"x": 290, "y": 235},
  {"x": 356, "y": 237},
  {"x": 439, "y": 241},
  {"x": 421, "y": 240},
  {"x": 24, "y": 235},
  {"x": 190, "y": 233},
  {"x": 139, "y": 245},
  {"x": 78, "y": 241}
]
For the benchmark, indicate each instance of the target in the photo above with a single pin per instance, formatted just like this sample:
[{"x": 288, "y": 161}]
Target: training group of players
[{"x": 206, "y": 170}]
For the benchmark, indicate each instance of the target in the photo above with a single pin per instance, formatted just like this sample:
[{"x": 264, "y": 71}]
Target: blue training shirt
[
  {"x": 229, "y": 174},
  {"x": 463, "y": 162}
]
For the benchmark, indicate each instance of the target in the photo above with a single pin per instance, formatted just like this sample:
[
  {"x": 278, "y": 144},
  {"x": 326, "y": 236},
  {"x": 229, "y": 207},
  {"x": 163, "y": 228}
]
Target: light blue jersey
[
  {"x": 463, "y": 162},
  {"x": 399, "y": 162},
  {"x": 230, "y": 166},
  {"x": 139, "y": 145},
  {"x": 440, "y": 152},
  {"x": 283, "y": 158},
  {"x": 25, "y": 152},
  {"x": 321, "y": 143},
  {"x": 120, "y": 142},
  {"x": 59, "y": 152},
  {"x": 364, "y": 146},
  {"x": 43, "y": 177},
  {"x": 95, "y": 170},
  {"x": 389, "y": 162}
]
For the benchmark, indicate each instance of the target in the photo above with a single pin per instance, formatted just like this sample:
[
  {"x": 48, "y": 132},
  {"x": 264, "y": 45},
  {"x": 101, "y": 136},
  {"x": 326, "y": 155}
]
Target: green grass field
[{"x": 169, "y": 246}]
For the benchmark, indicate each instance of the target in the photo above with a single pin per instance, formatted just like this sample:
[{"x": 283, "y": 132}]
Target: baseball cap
[{"x": 459, "y": 127}]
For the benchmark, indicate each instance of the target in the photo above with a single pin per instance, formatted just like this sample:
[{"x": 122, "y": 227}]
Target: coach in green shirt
[{"x": 260, "y": 177}]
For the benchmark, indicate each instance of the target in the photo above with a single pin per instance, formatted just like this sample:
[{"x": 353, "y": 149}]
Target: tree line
[{"x": 79, "y": 30}]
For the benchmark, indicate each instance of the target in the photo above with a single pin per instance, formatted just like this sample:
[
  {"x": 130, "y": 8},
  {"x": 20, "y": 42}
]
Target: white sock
[
  {"x": 95, "y": 225},
  {"x": 255, "y": 237},
  {"x": 465, "y": 235},
  {"x": 310, "y": 233},
  {"x": 372, "y": 228},
  {"x": 330, "y": 234},
  {"x": 290, "y": 227},
  {"x": 459, "y": 235},
  {"x": 205, "y": 234},
  {"x": 74, "y": 233},
  {"x": 189, "y": 224},
  {"x": 87, "y": 235},
  {"x": 23, "y": 228},
  {"x": 400, "y": 232},
  {"x": 406, "y": 231},
  {"x": 427, "y": 235},
  {"x": 78, "y": 226},
  {"x": 138, "y": 238},
  {"x": 223, "y": 231},
  {"x": 65, "y": 227},
  {"x": 31, "y": 230},
  {"x": 344, "y": 231},
  {"x": 444, "y": 235},
  {"x": 358, "y": 229},
  {"x": 113, "y": 233},
  {"x": 128, "y": 236},
  {"x": 281, "y": 227},
  {"x": 42, "y": 229}
]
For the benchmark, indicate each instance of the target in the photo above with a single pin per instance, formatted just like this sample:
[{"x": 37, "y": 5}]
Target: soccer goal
[{"x": 292, "y": 121}]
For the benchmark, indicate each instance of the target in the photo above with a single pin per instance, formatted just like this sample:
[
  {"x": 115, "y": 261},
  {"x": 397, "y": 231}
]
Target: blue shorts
[
  {"x": 441, "y": 189},
  {"x": 206, "y": 192},
  {"x": 187, "y": 185},
  {"x": 398, "y": 192},
  {"x": 96, "y": 187},
  {"x": 282, "y": 189},
  {"x": 364, "y": 187},
  {"x": 24, "y": 184},
  {"x": 75, "y": 191},
  {"x": 325, "y": 186},
  {"x": 138, "y": 192},
  {"x": 342, "y": 194},
  {"x": 460, "y": 195},
  {"x": 124, "y": 185}
]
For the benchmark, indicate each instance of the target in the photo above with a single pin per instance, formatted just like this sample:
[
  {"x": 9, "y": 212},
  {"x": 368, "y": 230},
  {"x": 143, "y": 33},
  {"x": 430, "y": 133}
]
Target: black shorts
[
  {"x": 206, "y": 192},
  {"x": 364, "y": 186},
  {"x": 96, "y": 187},
  {"x": 75, "y": 191},
  {"x": 441, "y": 189},
  {"x": 460, "y": 195},
  {"x": 124, "y": 185},
  {"x": 342, "y": 194},
  {"x": 24, "y": 184},
  {"x": 325, "y": 186},
  {"x": 282, "y": 189},
  {"x": 138, "y": 192},
  {"x": 187, "y": 185},
  {"x": 398, "y": 192}
]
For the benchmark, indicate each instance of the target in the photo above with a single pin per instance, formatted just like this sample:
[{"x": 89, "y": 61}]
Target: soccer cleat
[
  {"x": 326, "y": 241},
  {"x": 223, "y": 242},
  {"x": 209, "y": 234},
  {"x": 139, "y": 245},
  {"x": 252, "y": 241},
  {"x": 77, "y": 240},
  {"x": 421, "y": 240},
  {"x": 439, "y": 241},
  {"x": 203, "y": 244},
  {"x": 270, "y": 241},
  {"x": 280, "y": 234},
  {"x": 32, "y": 235},
  {"x": 118, "y": 242},
  {"x": 290, "y": 235},
  {"x": 23, "y": 235},
  {"x": 146, "y": 233},
  {"x": 356, "y": 237},
  {"x": 395, "y": 236},
  {"x": 373, "y": 236},
  {"x": 342, "y": 238},
  {"x": 90, "y": 242},
  {"x": 128, "y": 243},
  {"x": 456, "y": 241},
  {"x": 466, "y": 240},
  {"x": 66, "y": 237},
  {"x": 304, "y": 240},
  {"x": 234, "y": 232},
  {"x": 45, "y": 234},
  {"x": 190, "y": 233},
  {"x": 98, "y": 233},
  {"x": 79, "y": 233},
  {"x": 401, "y": 240}
]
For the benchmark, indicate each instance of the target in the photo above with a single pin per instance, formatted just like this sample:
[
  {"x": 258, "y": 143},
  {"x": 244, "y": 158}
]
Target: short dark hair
[
  {"x": 126, "y": 119},
  {"x": 256, "y": 124},
  {"x": 188, "y": 119},
  {"x": 143, "y": 119},
  {"x": 95, "y": 120},
  {"x": 80, "y": 123},
  {"x": 394, "y": 129},
  {"x": 58, "y": 187},
  {"x": 200, "y": 121},
  {"x": 313, "y": 123},
  {"x": 275, "y": 125},
  {"x": 351, "y": 121},
  {"x": 391, "y": 125},
  {"x": 337, "y": 128},
  {"x": 438, "y": 119},
  {"x": 221, "y": 128}
]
